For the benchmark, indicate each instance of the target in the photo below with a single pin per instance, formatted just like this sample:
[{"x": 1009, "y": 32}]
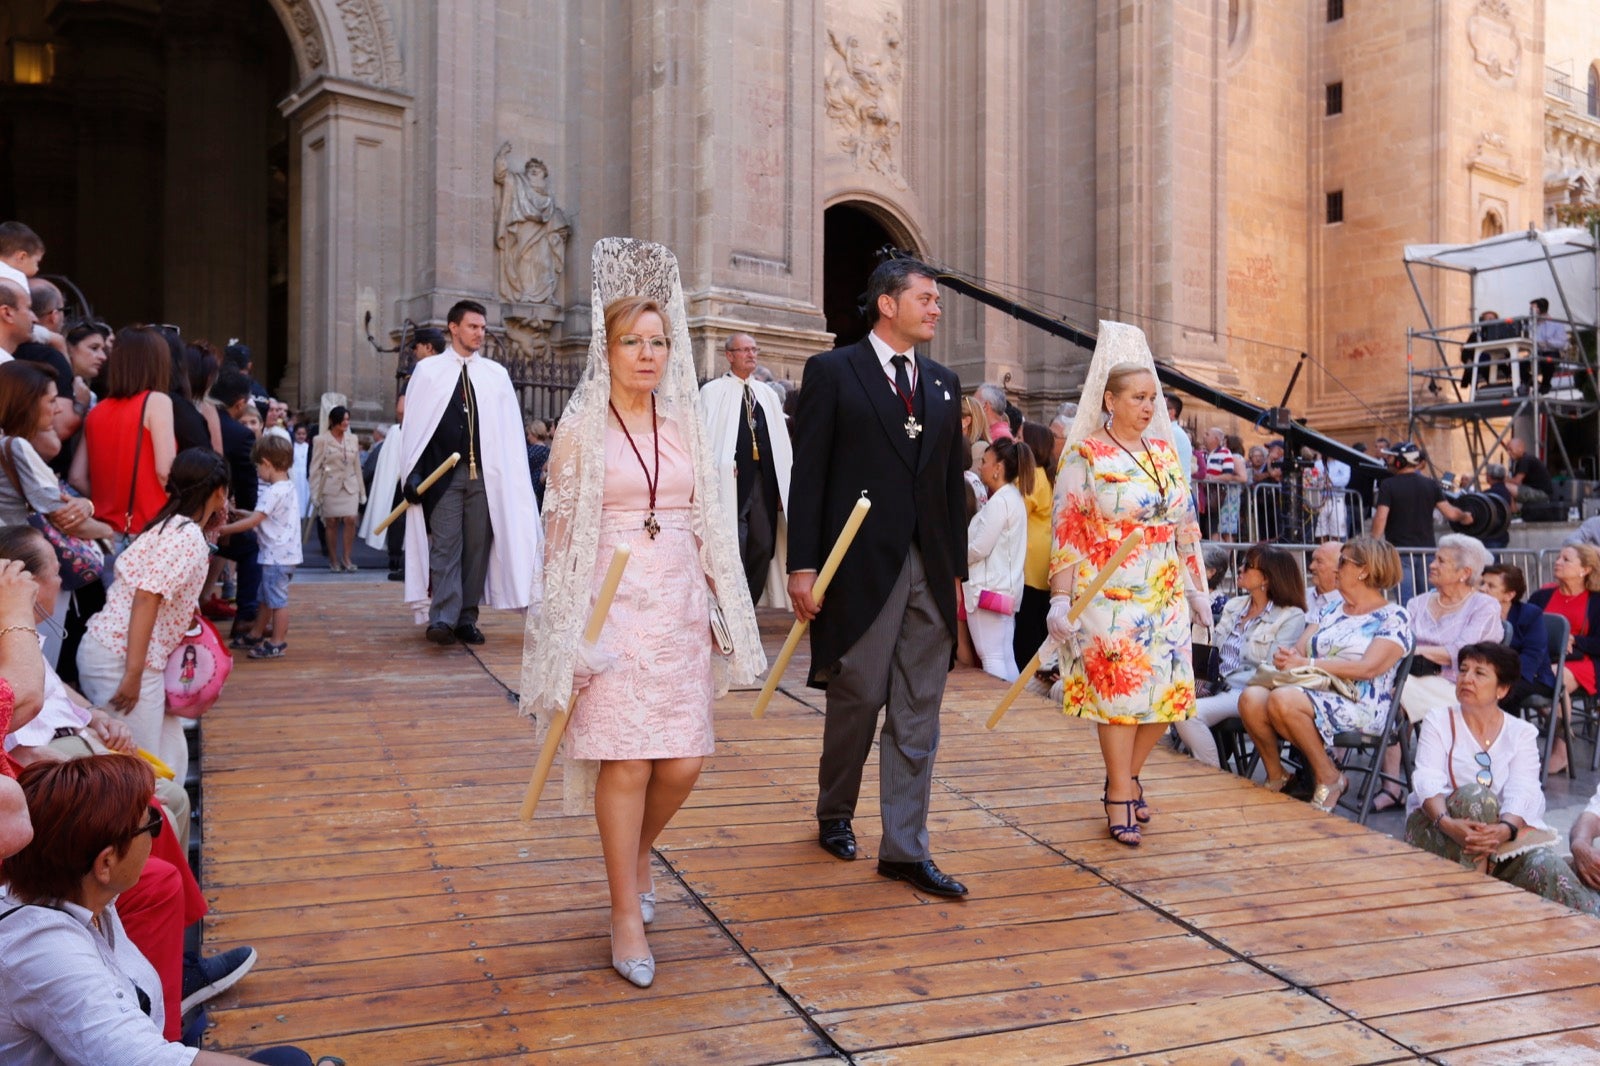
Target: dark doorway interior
[
  {"x": 851, "y": 240},
  {"x": 146, "y": 149}
]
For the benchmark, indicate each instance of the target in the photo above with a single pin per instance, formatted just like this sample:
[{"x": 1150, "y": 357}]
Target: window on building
[
  {"x": 1492, "y": 225},
  {"x": 1594, "y": 91},
  {"x": 1335, "y": 10},
  {"x": 32, "y": 62},
  {"x": 1335, "y": 207},
  {"x": 1335, "y": 93}
]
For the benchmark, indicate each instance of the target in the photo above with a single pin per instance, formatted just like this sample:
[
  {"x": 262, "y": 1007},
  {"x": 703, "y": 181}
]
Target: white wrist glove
[
  {"x": 1199, "y": 608},
  {"x": 590, "y": 660},
  {"x": 1061, "y": 628}
]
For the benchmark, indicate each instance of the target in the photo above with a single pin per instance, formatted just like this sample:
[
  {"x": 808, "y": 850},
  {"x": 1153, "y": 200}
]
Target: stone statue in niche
[
  {"x": 530, "y": 231},
  {"x": 861, "y": 91}
]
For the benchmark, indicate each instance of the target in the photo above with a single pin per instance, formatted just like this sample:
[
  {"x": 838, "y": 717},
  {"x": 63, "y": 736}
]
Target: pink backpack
[{"x": 196, "y": 670}]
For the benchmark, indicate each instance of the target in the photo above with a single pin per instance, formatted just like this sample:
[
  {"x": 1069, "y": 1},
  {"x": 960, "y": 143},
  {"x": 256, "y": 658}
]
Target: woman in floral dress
[
  {"x": 1361, "y": 643},
  {"x": 1131, "y": 670}
]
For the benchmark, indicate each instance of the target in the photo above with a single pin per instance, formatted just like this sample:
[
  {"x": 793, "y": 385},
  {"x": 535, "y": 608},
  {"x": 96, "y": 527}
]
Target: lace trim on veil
[{"x": 575, "y": 488}]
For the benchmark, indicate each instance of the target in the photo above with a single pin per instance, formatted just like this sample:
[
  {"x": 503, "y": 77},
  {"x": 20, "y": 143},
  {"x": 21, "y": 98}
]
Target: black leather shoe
[
  {"x": 440, "y": 633},
  {"x": 467, "y": 633},
  {"x": 924, "y": 875},
  {"x": 397, "y": 575},
  {"x": 837, "y": 838}
]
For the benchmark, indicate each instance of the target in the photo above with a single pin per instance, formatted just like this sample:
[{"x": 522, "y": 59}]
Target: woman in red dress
[{"x": 1574, "y": 597}]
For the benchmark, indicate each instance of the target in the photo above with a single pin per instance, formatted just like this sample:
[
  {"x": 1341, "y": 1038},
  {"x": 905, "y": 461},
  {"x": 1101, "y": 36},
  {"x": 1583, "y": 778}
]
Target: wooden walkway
[{"x": 361, "y": 833}]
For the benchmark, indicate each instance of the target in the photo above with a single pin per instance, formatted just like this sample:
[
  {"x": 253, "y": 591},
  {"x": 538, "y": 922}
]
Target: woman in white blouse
[
  {"x": 1253, "y": 626},
  {"x": 997, "y": 544},
  {"x": 1476, "y": 783}
]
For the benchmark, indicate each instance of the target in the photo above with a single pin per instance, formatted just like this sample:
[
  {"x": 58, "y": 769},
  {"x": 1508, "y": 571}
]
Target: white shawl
[
  {"x": 514, "y": 579},
  {"x": 575, "y": 488},
  {"x": 721, "y": 409}
]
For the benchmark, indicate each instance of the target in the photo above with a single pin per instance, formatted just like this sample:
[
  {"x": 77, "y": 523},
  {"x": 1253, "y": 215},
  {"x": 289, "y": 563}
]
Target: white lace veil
[
  {"x": 622, "y": 267},
  {"x": 1118, "y": 343}
]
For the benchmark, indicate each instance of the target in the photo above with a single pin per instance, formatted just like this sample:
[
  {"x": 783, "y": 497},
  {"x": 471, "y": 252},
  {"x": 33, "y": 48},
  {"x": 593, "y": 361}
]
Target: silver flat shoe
[
  {"x": 647, "y": 906},
  {"x": 638, "y": 972}
]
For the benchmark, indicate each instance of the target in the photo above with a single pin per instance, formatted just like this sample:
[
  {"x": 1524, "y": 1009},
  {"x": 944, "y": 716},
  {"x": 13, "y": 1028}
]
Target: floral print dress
[
  {"x": 1134, "y": 663},
  {"x": 1347, "y": 636}
]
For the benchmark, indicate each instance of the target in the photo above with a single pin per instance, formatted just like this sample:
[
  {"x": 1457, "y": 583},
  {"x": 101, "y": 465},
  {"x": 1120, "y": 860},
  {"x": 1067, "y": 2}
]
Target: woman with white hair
[{"x": 1445, "y": 619}]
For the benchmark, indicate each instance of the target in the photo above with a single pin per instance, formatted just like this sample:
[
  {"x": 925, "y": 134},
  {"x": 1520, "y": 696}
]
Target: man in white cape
[
  {"x": 747, "y": 435},
  {"x": 476, "y": 536},
  {"x": 383, "y": 494}
]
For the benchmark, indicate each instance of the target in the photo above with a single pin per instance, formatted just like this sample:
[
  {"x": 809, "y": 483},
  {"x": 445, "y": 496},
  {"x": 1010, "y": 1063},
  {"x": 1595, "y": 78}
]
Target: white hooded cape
[
  {"x": 381, "y": 497},
  {"x": 721, "y": 406},
  {"x": 516, "y": 559}
]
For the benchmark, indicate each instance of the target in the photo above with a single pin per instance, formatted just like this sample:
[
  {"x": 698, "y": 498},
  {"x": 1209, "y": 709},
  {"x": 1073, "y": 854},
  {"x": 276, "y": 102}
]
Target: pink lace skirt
[{"x": 655, "y": 700}]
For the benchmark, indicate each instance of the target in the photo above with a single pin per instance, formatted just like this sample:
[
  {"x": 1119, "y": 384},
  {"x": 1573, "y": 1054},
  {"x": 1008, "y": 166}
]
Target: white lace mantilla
[{"x": 622, "y": 267}]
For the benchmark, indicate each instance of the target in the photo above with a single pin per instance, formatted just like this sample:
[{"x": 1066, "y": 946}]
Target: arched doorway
[
  {"x": 150, "y": 155},
  {"x": 853, "y": 233}
]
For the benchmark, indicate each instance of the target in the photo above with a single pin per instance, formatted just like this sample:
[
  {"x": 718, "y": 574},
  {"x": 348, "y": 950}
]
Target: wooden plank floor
[{"x": 361, "y": 833}]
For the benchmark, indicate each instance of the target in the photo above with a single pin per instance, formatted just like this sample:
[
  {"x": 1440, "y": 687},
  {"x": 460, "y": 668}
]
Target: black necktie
[{"x": 902, "y": 380}]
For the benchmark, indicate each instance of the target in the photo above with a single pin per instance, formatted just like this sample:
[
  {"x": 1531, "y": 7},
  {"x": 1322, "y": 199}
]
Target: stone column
[
  {"x": 346, "y": 234},
  {"x": 1159, "y": 175},
  {"x": 215, "y": 262}
]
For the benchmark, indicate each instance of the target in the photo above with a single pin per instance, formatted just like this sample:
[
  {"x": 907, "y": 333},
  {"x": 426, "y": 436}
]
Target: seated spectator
[
  {"x": 1360, "y": 642},
  {"x": 1573, "y": 595},
  {"x": 1446, "y": 619},
  {"x": 997, "y": 545},
  {"x": 1476, "y": 784},
  {"x": 151, "y": 604},
  {"x": 1323, "y": 593},
  {"x": 1216, "y": 560},
  {"x": 21, "y": 665},
  {"x": 1254, "y": 626},
  {"x": 1506, "y": 585},
  {"x": 75, "y": 987}
]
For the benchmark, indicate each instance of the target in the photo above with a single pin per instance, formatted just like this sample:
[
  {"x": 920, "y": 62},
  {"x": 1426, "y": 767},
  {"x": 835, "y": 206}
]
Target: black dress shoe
[
  {"x": 440, "y": 633},
  {"x": 924, "y": 875},
  {"x": 837, "y": 838},
  {"x": 397, "y": 575},
  {"x": 467, "y": 633}
]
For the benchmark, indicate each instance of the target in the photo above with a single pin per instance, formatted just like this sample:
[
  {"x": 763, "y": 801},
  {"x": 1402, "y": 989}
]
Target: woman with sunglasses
[
  {"x": 1361, "y": 642},
  {"x": 1476, "y": 783},
  {"x": 74, "y": 987}
]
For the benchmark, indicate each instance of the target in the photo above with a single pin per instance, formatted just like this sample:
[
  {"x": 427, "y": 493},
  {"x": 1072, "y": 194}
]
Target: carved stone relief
[
  {"x": 530, "y": 233},
  {"x": 305, "y": 27},
  {"x": 1493, "y": 37},
  {"x": 863, "y": 87}
]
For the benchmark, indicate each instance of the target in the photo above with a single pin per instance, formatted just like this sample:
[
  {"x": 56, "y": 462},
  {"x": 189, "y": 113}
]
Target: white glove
[
  {"x": 590, "y": 660},
  {"x": 1199, "y": 608},
  {"x": 1062, "y": 629}
]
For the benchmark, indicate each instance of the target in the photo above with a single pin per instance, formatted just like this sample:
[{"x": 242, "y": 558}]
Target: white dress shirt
[
  {"x": 886, "y": 353},
  {"x": 69, "y": 992},
  {"x": 1513, "y": 759}
]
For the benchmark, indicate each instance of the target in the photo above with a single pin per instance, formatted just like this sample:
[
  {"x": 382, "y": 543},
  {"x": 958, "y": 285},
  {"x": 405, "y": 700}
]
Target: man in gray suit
[{"x": 876, "y": 418}]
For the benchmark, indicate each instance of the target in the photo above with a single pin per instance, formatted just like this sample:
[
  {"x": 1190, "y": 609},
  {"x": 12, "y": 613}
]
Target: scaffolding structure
[{"x": 1494, "y": 387}]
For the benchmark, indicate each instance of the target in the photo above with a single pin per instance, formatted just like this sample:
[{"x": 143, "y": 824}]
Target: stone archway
[
  {"x": 349, "y": 39},
  {"x": 853, "y": 233},
  {"x": 345, "y": 197}
]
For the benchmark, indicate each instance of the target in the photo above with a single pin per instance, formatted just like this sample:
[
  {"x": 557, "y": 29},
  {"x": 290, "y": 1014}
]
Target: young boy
[
  {"x": 277, "y": 516},
  {"x": 21, "y": 251}
]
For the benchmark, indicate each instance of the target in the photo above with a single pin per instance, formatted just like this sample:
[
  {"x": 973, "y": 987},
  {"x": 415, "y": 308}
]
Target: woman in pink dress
[{"x": 642, "y": 714}]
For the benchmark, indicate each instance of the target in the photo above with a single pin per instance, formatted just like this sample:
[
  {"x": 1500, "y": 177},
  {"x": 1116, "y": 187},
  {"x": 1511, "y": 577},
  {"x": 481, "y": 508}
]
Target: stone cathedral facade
[{"x": 308, "y": 175}]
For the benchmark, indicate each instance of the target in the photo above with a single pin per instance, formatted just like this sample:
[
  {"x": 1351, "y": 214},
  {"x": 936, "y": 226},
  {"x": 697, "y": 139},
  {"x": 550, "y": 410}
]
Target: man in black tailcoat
[{"x": 875, "y": 417}]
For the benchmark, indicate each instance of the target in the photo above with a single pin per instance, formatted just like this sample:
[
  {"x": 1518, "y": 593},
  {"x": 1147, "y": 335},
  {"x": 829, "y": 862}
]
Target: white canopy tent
[{"x": 1510, "y": 270}]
